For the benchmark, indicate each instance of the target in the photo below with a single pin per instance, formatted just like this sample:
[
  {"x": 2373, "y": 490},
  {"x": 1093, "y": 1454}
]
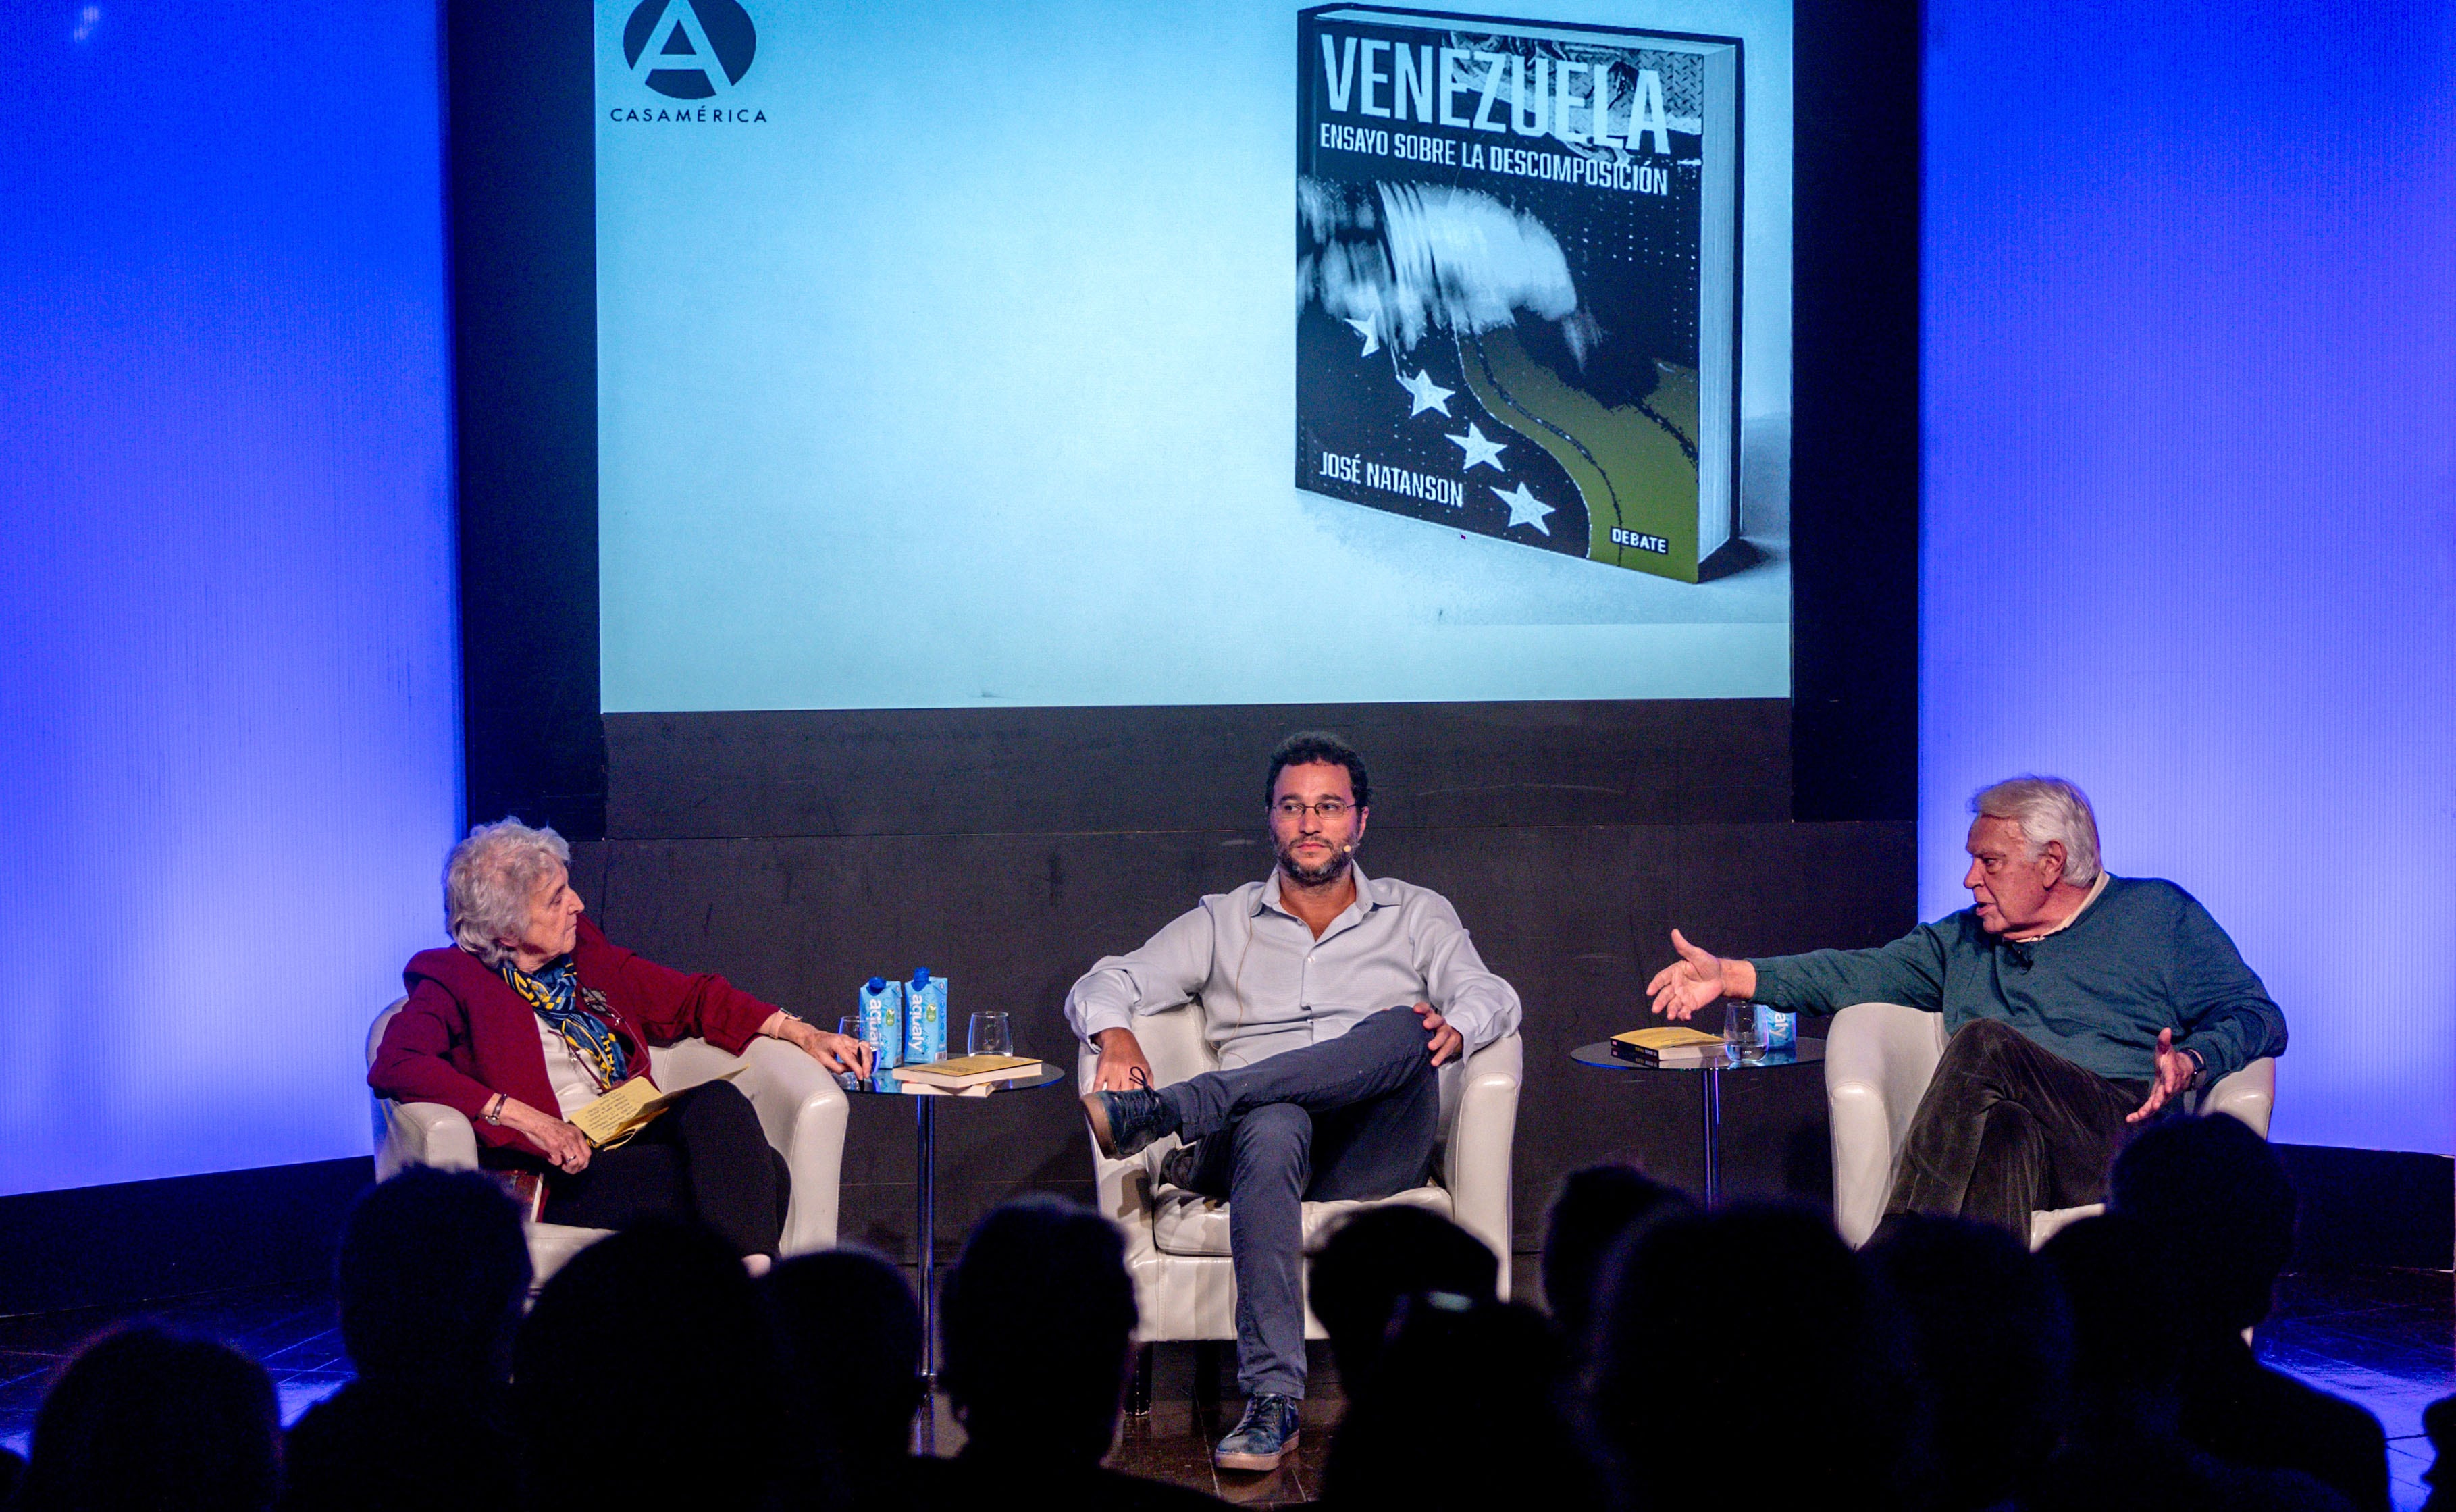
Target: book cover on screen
[{"x": 1518, "y": 281}]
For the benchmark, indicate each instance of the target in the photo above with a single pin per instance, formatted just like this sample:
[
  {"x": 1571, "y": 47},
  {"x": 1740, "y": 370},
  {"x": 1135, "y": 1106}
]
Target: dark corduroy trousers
[{"x": 2008, "y": 1126}]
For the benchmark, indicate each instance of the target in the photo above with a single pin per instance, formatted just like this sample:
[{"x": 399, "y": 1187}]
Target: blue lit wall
[
  {"x": 229, "y": 758},
  {"x": 2190, "y": 523}
]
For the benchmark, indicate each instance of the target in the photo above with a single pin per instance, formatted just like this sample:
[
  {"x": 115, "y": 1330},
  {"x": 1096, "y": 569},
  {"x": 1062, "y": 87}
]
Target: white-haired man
[{"x": 2076, "y": 1002}]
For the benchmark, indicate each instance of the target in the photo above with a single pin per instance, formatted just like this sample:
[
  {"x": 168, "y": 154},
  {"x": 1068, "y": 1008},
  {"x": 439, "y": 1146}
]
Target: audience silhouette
[
  {"x": 432, "y": 1271},
  {"x": 1595, "y": 1209},
  {"x": 1751, "y": 1314},
  {"x": 849, "y": 1333},
  {"x": 1452, "y": 1359},
  {"x": 1991, "y": 1341},
  {"x": 1378, "y": 1257},
  {"x": 1039, "y": 1316},
  {"x": 2439, "y": 1421},
  {"x": 147, "y": 1420},
  {"x": 2217, "y": 1201},
  {"x": 2123, "y": 1449},
  {"x": 647, "y": 1377},
  {"x": 1732, "y": 1359}
]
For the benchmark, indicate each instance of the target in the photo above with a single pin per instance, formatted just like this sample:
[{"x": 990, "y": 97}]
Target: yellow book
[
  {"x": 1667, "y": 1045},
  {"x": 623, "y": 1112},
  {"x": 1668, "y": 1036},
  {"x": 968, "y": 1070}
]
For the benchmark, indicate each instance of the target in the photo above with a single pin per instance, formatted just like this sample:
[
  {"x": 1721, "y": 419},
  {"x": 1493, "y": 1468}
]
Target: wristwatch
[{"x": 493, "y": 1113}]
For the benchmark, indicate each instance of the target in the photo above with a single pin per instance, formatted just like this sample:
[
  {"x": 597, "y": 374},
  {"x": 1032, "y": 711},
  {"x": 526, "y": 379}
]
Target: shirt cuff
[
  {"x": 1769, "y": 985},
  {"x": 1101, "y": 1016},
  {"x": 1478, "y": 1024}
]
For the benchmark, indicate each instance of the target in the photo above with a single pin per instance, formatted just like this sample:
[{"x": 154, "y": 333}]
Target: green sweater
[{"x": 2146, "y": 957}]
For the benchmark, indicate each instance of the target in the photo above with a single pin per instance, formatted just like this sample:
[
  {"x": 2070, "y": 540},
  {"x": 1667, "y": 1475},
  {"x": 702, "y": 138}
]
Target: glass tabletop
[
  {"x": 1598, "y": 1053},
  {"x": 887, "y": 1083}
]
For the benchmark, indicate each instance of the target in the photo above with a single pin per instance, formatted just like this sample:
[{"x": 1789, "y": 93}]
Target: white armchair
[
  {"x": 1878, "y": 1060},
  {"x": 1177, "y": 1243},
  {"x": 801, "y": 1110}
]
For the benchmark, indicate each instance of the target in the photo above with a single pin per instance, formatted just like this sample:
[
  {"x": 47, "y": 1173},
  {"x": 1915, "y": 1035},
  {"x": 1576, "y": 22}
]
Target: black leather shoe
[
  {"x": 1125, "y": 1123},
  {"x": 1263, "y": 1436}
]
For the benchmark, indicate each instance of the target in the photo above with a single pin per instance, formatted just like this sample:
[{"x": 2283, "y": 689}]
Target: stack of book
[
  {"x": 1669, "y": 1046},
  {"x": 967, "y": 1071}
]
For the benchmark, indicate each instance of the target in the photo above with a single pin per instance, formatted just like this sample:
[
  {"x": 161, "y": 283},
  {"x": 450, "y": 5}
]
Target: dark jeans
[
  {"x": 1350, "y": 1117},
  {"x": 703, "y": 1157},
  {"x": 2008, "y": 1126}
]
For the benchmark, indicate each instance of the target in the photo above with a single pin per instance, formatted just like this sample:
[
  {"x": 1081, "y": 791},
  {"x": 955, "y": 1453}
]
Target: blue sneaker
[
  {"x": 1125, "y": 1123},
  {"x": 1264, "y": 1436}
]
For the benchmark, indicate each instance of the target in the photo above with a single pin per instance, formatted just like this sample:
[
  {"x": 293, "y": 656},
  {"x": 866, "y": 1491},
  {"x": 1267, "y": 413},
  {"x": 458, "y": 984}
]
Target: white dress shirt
[{"x": 1265, "y": 985}]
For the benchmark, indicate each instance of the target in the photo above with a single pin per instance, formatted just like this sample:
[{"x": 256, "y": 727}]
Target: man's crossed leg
[
  {"x": 1351, "y": 1117},
  {"x": 2008, "y": 1126}
]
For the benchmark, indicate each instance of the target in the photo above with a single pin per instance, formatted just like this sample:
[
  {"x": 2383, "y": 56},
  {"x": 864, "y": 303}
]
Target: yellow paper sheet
[{"x": 619, "y": 1114}]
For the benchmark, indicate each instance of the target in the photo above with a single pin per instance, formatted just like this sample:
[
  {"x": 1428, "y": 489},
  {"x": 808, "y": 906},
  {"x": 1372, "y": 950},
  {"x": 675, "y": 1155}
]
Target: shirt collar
[
  {"x": 1270, "y": 894},
  {"x": 2070, "y": 919}
]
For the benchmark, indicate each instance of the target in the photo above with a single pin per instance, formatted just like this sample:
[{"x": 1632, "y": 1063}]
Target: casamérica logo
[{"x": 690, "y": 50}]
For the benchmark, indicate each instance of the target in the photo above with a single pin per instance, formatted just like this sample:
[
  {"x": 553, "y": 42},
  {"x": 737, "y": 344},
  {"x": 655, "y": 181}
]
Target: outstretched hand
[
  {"x": 1693, "y": 982},
  {"x": 2176, "y": 1068}
]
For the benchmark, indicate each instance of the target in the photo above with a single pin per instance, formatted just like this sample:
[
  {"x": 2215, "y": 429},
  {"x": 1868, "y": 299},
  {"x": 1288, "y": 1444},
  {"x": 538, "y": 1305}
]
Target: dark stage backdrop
[{"x": 800, "y": 852}]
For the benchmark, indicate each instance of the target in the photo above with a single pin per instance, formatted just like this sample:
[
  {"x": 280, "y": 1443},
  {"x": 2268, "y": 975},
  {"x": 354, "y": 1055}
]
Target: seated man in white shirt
[{"x": 1331, "y": 998}]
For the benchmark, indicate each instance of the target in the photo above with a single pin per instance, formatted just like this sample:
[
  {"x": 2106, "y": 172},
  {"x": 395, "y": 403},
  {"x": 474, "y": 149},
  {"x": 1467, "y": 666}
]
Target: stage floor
[{"x": 2385, "y": 1339}]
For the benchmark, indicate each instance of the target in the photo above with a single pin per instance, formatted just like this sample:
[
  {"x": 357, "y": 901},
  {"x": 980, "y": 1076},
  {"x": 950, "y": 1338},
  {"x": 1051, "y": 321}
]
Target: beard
[{"x": 1329, "y": 871}]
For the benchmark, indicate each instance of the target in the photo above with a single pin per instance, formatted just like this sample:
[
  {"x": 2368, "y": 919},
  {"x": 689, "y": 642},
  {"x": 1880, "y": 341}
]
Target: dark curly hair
[{"x": 1304, "y": 748}]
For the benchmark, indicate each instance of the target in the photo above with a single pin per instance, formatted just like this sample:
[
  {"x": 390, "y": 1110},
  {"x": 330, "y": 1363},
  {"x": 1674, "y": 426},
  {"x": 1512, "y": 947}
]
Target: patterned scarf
[{"x": 554, "y": 992}]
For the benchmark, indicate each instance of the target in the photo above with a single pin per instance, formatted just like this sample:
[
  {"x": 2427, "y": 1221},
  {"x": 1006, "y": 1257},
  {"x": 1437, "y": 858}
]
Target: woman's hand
[
  {"x": 566, "y": 1147},
  {"x": 837, "y": 1052}
]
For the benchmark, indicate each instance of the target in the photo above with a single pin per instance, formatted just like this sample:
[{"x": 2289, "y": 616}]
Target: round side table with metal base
[
  {"x": 924, "y": 1203},
  {"x": 1805, "y": 1051}
]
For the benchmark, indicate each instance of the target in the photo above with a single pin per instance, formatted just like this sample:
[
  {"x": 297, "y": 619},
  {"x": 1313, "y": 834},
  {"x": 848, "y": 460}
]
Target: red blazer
[{"x": 466, "y": 1035}]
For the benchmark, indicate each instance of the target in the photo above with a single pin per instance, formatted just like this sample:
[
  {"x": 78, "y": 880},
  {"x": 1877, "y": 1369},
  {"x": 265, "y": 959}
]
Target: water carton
[
  {"x": 881, "y": 1021},
  {"x": 925, "y": 1018}
]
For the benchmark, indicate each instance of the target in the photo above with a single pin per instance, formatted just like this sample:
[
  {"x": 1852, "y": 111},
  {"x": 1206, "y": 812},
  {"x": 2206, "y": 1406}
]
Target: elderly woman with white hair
[
  {"x": 2077, "y": 1004},
  {"x": 531, "y": 1015}
]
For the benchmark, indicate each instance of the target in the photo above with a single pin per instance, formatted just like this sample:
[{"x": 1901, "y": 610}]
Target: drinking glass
[
  {"x": 990, "y": 1035},
  {"x": 850, "y": 1027},
  {"x": 1740, "y": 1031}
]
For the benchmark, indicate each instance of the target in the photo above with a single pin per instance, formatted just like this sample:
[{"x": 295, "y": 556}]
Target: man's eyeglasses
[{"x": 1294, "y": 810}]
